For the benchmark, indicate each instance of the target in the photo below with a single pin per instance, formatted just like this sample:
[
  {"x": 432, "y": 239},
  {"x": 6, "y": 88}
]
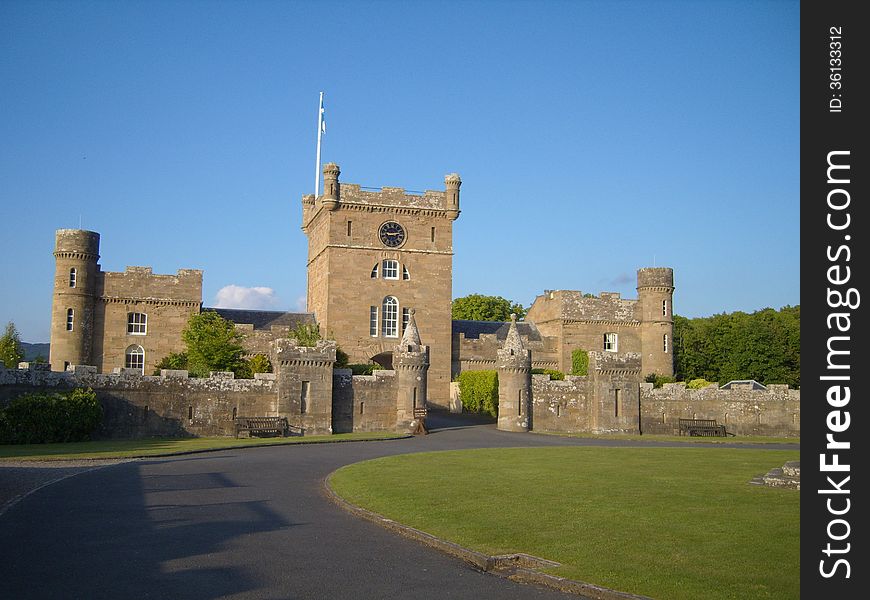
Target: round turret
[
  {"x": 655, "y": 293},
  {"x": 76, "y": 253},
  {"x": 330, "y": 186},
  {"x": 451, "y": 195}
]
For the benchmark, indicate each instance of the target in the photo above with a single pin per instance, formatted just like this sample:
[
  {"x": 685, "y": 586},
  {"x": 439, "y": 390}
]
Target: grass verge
[
  {"x": 675, "y": 523},
  {"x": 167, "y": 446},
  {"x": 654, "y": 437}
]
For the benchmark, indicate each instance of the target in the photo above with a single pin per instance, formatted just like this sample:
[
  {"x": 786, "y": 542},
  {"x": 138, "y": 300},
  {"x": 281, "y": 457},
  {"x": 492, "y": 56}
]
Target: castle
[
  {"x": 380, "y": 287},
  {"x": 373, "y": 257}
]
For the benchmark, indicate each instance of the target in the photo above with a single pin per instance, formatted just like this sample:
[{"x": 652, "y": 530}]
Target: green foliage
[
  {"x": 11, "y": 352},
  {"x": 260, "y": 363},
  {"x": 479, "y": 392},
  {"x": 364, "y": 369},
  {"x": 658, "y": 380},
  {"x": 478, "y": 307},
  {"x": 579, "y": 362},
  {"x": 764, "y": 345},
  {"x": 588, "y": 295},
  {"x": 213, "y": 344},
  {"x": 41, "y": 418},
  {"x": 341, "y": 358},
  {"x": 554, "y": 375},
  {"x": 174, "y": 361},
  {"x": 697, "y": 384},
  {"x": 306, "y": 334}
]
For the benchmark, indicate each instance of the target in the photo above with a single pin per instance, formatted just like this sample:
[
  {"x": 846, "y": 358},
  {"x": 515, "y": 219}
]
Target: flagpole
[{"x": 319, "y": 134}]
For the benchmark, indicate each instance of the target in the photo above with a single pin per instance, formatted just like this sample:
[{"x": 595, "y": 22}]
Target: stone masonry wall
[
  {"x": 772, "y": 412},
  {"x": 363, "y": 402},
  {"x": 561, "y": 406},
  {"x": 137, "y": 406}
]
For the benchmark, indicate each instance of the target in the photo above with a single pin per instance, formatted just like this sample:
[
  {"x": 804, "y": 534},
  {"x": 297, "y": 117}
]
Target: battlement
[
  {"x": 142, "y": 284},
  {"x": 574, "y": 305}
]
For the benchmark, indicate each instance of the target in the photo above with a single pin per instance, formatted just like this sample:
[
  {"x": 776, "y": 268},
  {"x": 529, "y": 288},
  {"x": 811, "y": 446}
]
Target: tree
[
  {"x": 764, "y": 345},
  {"x": 213, "y": 344},
  {"x": 11, "y": 352},
  {"x": 174, "y": 361},
  {"x": 306, "y": 334},
  {"x": 478, "y": 307}
]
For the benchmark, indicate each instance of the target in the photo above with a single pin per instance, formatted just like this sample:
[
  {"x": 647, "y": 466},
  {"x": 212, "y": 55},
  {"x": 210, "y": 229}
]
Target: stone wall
[
  {"x": 561, "y": 406},
  {"x": 363, "y": 402},
  {"x": 137, "y": 406},
  {"x": 775, "y": 411}
]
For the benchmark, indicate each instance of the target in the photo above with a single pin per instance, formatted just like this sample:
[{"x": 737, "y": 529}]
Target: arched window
[
  {"x": 375, "y": 271},
  {"x": 405, "y": 274},
  {"x": 390, "y": 269},
  {"x": 137, "y": 323},
  {"x": 70, "y": 317},
  {"x": 389, "y": 317},
  {"x": 665, "y": 342},
  {"x": 134, "y": 358},
  {"x": 72, "y": 277}
]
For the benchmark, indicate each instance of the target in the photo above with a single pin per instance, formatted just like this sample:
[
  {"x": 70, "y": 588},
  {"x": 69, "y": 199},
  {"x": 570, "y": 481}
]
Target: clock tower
[{"x": 373, "y": 257}]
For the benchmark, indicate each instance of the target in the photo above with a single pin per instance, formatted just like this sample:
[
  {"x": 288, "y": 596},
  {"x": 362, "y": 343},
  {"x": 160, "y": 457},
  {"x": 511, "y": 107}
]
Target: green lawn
[
  {"x": 669, "y": 523},
  {"x": 166, "y": 446}
]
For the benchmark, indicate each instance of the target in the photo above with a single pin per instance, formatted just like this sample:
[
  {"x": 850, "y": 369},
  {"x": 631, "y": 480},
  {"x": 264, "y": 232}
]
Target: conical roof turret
[{"x": 411, "y": 337}]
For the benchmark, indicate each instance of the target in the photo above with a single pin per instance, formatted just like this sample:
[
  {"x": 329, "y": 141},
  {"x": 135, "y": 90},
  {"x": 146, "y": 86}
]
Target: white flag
[{"x": 322, "y": 119}]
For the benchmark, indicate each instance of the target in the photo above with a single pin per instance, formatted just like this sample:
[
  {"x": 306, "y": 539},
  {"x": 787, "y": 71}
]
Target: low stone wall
[
  {"x": 171, "y": 405},
  {"x": 775, "y": 411},
  {"x": 561, "y": 406},
  {"x": 363, "y": 402}
]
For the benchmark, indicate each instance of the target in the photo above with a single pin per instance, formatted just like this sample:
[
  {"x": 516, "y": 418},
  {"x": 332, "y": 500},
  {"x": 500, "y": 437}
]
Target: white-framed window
[
  {"x": 389, "y": 317},
  {"x": 373, "y": 321},
  {"x": 610, "y": 342},
  {"x": 665, "y": 342},
  {"x": 390, "y": 269},
  {"x": 70, "y": 319},
  {"x": 405, "y": 274},
  {"x": 137, "y": 323},
  {"x": 664, "y": 308},
  {"x": 72, "y": 277},
  {"x": 375, "y": 271},
  {"x": 406, "y": 316},
  {"x": 134, "y": 358}
]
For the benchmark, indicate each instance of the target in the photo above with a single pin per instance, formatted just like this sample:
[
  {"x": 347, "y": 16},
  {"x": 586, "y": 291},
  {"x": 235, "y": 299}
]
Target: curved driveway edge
[{"x": 516, "y": 567}]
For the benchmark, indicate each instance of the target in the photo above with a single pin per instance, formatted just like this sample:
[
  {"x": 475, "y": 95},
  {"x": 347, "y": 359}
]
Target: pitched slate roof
[
  {"x": 473, "y": 329},
  {"x": 263, "y": 319}
]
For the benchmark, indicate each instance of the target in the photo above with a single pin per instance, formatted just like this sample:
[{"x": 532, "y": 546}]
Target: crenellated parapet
[{"x": 305, "y": 380}]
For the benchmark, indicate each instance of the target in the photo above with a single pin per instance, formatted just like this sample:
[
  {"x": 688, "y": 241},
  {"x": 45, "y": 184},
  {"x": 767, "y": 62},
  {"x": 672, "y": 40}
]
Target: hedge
[
  {"x": 364, "y": 369},
  {"x": 554, "y": 375},
  {"x": 579, "y": 362},
  {"x": 479, "y": 392},
  {"x": 41, "y": 418}
]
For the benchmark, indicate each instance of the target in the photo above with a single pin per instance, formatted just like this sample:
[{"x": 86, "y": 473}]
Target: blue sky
[{"x": 593, "y": 138}]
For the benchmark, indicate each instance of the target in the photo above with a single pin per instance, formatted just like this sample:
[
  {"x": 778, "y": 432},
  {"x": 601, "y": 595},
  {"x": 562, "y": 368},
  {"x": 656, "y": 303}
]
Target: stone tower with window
[
  {"x": 76, "y": 253},
  {"x": 373, "y": 255},
  {"x": 655, "y": 297}
]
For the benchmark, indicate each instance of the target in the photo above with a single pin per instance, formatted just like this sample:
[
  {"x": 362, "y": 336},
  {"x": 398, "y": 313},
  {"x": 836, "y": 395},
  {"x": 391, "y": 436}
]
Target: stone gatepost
[
  {"x": 411, "y": 362},
  {"x": 304, "y": 375},
  {"x": 514, "y": 364}
]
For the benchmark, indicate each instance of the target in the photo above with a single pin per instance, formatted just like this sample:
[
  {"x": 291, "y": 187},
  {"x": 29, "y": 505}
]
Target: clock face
[{"x": 392, "y": 234}]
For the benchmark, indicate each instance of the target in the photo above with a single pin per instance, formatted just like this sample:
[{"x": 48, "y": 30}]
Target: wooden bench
[
  {"x": 702, "y": 428},
  {"x": 258, "y": 425}
]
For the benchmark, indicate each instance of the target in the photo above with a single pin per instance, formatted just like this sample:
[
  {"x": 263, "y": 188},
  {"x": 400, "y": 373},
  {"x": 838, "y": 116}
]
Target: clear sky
[{"x": 593, "y": 138}]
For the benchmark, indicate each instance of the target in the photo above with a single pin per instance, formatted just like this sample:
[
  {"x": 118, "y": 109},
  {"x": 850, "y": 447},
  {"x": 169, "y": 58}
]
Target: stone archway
[{"x": 385, "y": 359}]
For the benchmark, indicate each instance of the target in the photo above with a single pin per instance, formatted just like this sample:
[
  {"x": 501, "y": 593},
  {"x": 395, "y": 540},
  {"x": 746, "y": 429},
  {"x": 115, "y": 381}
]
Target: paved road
[{"x": 237, "y": 524}]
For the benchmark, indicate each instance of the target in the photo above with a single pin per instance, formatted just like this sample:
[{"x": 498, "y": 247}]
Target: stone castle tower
[
  {"x": 514, "y": 365},
  {"x": 76, "y": 253},
  {"x": 411, "y": 362},
  {"x": 373, "y": 256},
  {"x": 655, "y": 302}
]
